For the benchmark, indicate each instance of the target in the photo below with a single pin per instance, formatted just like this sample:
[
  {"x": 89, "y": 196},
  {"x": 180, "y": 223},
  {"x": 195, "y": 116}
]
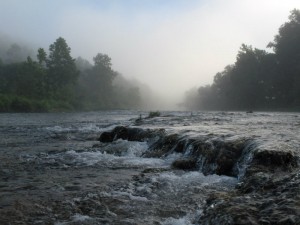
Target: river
[{"x": 53, "y": 169}]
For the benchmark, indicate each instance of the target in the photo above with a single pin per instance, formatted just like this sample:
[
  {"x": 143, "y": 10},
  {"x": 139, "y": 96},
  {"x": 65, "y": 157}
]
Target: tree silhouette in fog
[
  {"x": 259, "y": 79},
  {"x": 59, "y": 82}
]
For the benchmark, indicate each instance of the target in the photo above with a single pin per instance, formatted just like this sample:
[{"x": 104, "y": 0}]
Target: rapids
[{"x": 54, "y": 170}]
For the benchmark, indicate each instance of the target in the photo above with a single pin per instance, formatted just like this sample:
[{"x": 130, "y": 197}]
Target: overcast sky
[{"x": 171, "y": 45}]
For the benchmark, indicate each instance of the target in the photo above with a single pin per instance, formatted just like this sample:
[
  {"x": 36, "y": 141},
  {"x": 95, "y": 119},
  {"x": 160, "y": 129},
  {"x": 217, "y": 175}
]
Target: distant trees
[
  {"x": 258, "y": 79},
  {"x": 286, "y": 46},
  {"x": 97, "y": 89},
  {"x": 96, "y": 83},
  {"x": 59, "y": 82},
  {"x": 13, "y": 52},
  {"x": 62, "y": 73},
  {"x": 42, "y": 56}
]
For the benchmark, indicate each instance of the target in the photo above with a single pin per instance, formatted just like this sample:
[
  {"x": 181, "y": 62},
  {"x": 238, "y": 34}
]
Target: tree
[
  {"x": 82, "y": 64},
  {"x": 62, "y": 73},
  {"x": 30, "y": 81},
  {"x": 286, "y": 45},
  {"x": 102, "y": 60},
  {"x": 96, "y": 83},
  {"x": 42, "y": 56},
  {"x": 247, "y": 84}
]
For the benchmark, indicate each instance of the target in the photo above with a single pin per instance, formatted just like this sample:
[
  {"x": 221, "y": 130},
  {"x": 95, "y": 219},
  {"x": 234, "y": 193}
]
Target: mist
[{"x": 170, "y": 46}]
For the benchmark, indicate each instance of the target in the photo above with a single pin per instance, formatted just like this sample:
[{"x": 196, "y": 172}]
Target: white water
[{"x": 65, "y": 148}]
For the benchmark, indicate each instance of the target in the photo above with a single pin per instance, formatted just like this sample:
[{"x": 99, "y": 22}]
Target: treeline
[
  {"x": 58, "y": 82},
  {"x": 258, "y": 80}
]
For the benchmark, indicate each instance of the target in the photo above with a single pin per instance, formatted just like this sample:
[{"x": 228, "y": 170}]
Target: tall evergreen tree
[
  {"x": 62, "y": 72},
  {"x": 42, "y": 56}
]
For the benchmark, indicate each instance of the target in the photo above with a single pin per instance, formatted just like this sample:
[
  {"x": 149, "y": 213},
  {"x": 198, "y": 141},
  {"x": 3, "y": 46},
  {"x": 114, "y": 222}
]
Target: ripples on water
[{"x": 53, "y": 165}]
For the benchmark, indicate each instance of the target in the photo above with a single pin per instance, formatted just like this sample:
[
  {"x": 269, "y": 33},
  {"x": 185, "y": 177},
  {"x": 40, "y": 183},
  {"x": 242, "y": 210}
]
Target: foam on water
[
  {"x": 72, "y": 165},
  {"x": 192, "y": 178},
  {"x": 86, "y": 128},
  {"x": 80, "y": 218},
  {"x": 77, "y": 218},
  {"x": 126, "y": 154},
  {"x": 104, "y": 159},
  {"x": 189, "y": 219}
]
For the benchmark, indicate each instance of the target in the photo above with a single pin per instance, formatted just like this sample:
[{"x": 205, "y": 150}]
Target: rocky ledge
[
  {"x": 269, "y": 188},
  {"x": 269, "y": 193}
]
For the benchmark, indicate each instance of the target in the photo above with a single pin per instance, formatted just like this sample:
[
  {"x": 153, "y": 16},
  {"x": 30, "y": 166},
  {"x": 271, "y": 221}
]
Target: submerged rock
[{"x": 130, "y": 134}]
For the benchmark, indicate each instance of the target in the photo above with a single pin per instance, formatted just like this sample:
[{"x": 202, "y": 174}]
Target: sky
[{"x": 171, "y": 45}]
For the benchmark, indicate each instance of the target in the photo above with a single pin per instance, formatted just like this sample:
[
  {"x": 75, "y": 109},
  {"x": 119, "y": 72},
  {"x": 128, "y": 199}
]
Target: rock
[
  {"x": 162, "y": 146},
  {"x": 130, "y": 134},
  {"x": 274, "y": 160},
  {"x": 106, "y": 137},
  {"x": 276, "y": 201},
  {"x": 269, "y": 193},
  {"x": 219, "y": 157},
  {"x": 185, "y": 164}
]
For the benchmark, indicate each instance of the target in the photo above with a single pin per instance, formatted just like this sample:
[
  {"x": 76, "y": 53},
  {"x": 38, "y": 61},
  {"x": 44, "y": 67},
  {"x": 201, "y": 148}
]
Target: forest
[
  {"x": 57, "y": 82},
  {"x": 258, "y": 80},
  {"x": 54, "y": 81}
]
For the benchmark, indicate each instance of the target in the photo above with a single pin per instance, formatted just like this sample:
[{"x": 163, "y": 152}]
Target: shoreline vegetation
[
  {"x": 53, "y": 81},
  {"x": 258, "y": 80}
]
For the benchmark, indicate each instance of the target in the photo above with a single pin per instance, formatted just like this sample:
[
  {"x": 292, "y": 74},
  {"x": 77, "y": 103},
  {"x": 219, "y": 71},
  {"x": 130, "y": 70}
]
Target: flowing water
[{"x": 54, "y": 171}]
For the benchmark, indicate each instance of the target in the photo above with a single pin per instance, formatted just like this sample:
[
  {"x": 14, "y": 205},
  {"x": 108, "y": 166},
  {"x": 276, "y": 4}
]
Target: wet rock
[
  {"x": 219, "y": 157},
  {"x": 185, "y": 164},
  {"x": 275, "y": 202},
  {"x": 154, "y": 170},
  {"x": 163, "y": 146},
  {"x": 106, "y": 137},
  {"x": 268, "y": 194},
  {"x": 271, "y": 161},
  {"x": 130, "y": 134},
  {"x": 269, "y": 188}
]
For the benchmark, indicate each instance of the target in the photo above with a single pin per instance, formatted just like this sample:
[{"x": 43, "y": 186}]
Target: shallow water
[{"x": 54, "y": 171}]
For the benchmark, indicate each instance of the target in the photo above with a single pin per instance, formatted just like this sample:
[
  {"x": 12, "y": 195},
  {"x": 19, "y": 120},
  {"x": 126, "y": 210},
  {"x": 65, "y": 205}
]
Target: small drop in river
[{"x": 117, "y": 167}]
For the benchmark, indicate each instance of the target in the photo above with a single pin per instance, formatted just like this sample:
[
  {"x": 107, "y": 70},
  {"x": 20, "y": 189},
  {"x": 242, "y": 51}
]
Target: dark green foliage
[
  {"x": 62, "y": 73},
  {"x": 259, "y": 80},
  {"x": 54, "y": 83},
  {"x": 10, "y": 103},
  {"x": 95, "y": 84},
  {"x": 97, "y": 90},
  {"x": 42, "y": 56}
]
